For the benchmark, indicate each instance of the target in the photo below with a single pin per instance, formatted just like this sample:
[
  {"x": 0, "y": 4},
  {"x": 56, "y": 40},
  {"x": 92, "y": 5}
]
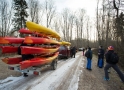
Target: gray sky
[{"x": 88, "y": 5}]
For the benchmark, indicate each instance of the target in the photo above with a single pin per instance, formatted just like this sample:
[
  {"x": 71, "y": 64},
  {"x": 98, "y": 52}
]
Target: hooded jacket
[
  {"x": 89, "y": 54},
  {"x": 101, "y": 53},
  {"x": 108, "y": 56}
]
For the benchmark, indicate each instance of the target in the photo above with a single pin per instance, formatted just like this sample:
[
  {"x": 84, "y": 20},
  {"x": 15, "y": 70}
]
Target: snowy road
[{"x": 65, "y": 77}]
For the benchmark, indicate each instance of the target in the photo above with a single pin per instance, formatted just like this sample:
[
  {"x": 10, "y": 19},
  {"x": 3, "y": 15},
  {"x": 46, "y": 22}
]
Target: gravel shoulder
[{"x": 93, "y": 80}]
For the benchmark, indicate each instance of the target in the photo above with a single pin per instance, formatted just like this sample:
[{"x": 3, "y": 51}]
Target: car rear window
[{"x": 62, "y": 48}]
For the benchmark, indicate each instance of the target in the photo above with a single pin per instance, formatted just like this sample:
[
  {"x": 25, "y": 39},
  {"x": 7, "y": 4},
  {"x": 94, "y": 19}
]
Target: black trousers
[
  {"x": 99, "y": 59},
  {"x": 115, "y": 67},
  {"x": 73, "y": 55}
]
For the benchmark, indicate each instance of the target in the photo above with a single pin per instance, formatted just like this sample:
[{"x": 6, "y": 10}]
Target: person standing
[
  {"x": 88, "y": 54},
  {"x": 73, "y": 51},
  {"x": 111, "y": 61},
  {"x": 83, "y": 51},
  {"x": 101, "y": 52}
]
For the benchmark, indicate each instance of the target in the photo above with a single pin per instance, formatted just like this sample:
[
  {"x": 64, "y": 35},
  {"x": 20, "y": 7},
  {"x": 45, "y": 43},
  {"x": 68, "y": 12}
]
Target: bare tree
[
  {"x": 5, "y": 18},
  {"x": 71, "y": 25},
  {"x": 119, "y": 24},
  {"x": 34, "y": 10},
  {"x": 97, "y": 20},
  {"x": 49, "y": 11},
  {"x": 57, "y": 23},
  {"x": 65, "y": 19},
  {"x": 77, "y": 31},
  {"x": 81, "y": 21},
  {"x": 87, "y": 28}
]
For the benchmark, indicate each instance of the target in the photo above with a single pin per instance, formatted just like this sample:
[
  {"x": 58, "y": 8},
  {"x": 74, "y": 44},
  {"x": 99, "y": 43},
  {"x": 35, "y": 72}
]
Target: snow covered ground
[{"x": 65, "y": 77}]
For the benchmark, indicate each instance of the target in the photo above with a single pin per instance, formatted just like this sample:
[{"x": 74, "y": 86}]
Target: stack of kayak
[{"x": 45, "y": 46}]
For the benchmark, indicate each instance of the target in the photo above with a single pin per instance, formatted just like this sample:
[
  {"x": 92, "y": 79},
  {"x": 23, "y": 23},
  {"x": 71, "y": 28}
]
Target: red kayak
[
  {"x": 36, "y": 40},
  {"x": 17, "y": 60},
  {"x": 37, "y": 61},
  {"x": 26, "y": 31},
  {"x": 37, "y": 50},
  {"x": 12, "y": 61},
  {"x": 8, "y": 49},
  {"x": 11, "y": 40}
]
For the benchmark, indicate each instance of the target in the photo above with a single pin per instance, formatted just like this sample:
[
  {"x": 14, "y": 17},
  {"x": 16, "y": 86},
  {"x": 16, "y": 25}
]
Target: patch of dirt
[
  {"x": 94, "y": 80},
  {"x": 5, "y": 72}
]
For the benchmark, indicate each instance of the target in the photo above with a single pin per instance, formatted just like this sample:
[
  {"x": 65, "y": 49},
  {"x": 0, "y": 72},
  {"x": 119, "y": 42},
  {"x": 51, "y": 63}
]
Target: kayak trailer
[{"x": 36, "y": 70}]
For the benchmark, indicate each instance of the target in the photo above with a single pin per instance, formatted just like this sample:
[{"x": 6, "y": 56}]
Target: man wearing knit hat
[{"x": 111, "y": 61}]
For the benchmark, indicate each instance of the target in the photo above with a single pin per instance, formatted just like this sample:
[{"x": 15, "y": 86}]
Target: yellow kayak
[
  {"x": 65, "y": 43},
  {"x": 41, "y": 29}
]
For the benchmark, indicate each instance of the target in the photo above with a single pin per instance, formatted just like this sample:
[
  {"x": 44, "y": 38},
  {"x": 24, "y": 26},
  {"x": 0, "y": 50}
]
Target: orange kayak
[
  {"x": 37, "y": 61},
  {"x": 26, "y": 31},
  {"x": 12, "y": 61},
  {"x": 36, "y": 40},
  {"x": 11, "y": 40},
  {"x": 37, "y": 50},
  {"x": 17, "y": 60}
]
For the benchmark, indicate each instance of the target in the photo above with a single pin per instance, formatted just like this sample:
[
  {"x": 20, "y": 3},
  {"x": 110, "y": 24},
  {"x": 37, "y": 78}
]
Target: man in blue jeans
[
  {"x": 111, "y": 63},
  {"x": 88, "y": 54},
  {"x": 100, "y": 62}
]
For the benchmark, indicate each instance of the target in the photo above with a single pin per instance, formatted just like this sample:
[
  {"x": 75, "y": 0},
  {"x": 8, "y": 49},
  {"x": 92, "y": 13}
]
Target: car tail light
[
  {"x": 36, "y": 73},
  {"x": 11, "y": 68}
]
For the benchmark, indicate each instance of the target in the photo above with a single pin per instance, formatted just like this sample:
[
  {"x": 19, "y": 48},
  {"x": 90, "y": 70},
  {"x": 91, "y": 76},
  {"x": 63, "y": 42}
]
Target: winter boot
[{"x": 25, "y": 74}]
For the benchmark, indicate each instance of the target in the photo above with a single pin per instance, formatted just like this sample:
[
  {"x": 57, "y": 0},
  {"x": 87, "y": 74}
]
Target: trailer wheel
[{"x": 54, "y": 65}]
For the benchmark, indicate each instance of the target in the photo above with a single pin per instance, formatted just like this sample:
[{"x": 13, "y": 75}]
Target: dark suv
[{"x": 64, "y": 52}]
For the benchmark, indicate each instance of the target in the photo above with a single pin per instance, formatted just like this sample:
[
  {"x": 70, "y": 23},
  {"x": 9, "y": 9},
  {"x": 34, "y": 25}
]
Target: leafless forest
[{"x": 106, "y": 28}]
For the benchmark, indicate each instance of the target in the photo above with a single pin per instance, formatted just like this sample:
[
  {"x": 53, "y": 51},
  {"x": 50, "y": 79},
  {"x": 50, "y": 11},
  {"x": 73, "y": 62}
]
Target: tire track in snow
[{"x": 70, "y": 79}]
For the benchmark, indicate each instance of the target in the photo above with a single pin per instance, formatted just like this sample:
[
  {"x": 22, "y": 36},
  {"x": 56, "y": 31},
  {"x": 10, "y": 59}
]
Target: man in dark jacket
[
  {"x": 100, "y": 62},
  {"x": 88, "y": 54},
  {"x": 110, "y": 63},
  {"x": 73, "y": 51}
]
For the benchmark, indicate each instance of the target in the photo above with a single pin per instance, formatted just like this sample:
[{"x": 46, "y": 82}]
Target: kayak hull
[
  {"x": 36, "y": 40},
  {"x": 12, "y": 61},
  {"x": 41, "y": 29},
  {"x": 37, "y": 50},
  {"x": 27, "y": 40},
  {"x": 65, "y": 43},
  {"x": 26, "y": 31},
  {"x": 8, "y": 49},
  {"x": 32, "y": 62},
  {"x": 11, "y": 40},
  {"x": 37, "y": 61}
]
